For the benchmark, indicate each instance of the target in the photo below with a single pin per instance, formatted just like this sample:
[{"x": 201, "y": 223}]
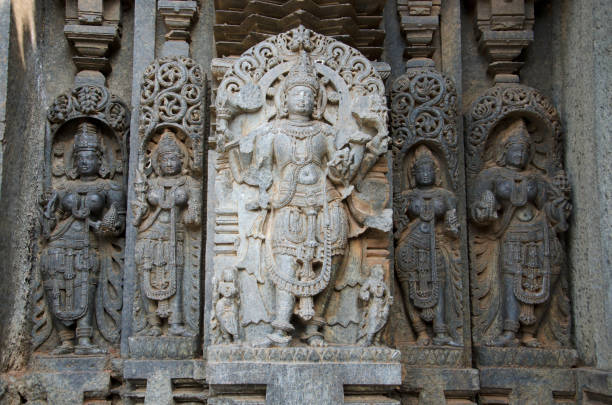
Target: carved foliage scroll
[{"x": 78, "y": 291}]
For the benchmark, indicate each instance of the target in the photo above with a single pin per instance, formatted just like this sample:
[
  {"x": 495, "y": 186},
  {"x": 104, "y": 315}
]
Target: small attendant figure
[{"x": 376, "y": 294}]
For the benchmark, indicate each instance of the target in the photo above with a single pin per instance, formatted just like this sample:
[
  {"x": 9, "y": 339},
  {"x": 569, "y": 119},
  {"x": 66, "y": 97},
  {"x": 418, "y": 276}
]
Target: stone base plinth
[
  {"x": 524, "y": 357},
  {"x": 63, "y": 380},
  {"x": 436, "y": 385},
  {"x": 159, "y": 381},
  {"x": 299, "y": 375},
  {"x": 539, "y": 386},
  {"x": 163, "y": 347},
  {"x": 433, "y": 356}
]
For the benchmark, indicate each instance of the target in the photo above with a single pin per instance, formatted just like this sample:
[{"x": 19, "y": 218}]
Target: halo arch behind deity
[
  {"x": 340, "y": 87},
  {"x": 498, "y": 106},
  {"x": 264, "y": 63},
  {"x": 111, "y": 119}
]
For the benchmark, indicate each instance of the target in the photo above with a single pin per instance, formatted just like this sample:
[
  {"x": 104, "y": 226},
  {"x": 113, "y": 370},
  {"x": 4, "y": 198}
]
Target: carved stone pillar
[
  {"x": 298, "y": 217},
  {"x": 519, "y": 208},
  {"x": 93, "y": 28},
  {"x": 505, "y": 30},
  {"x": 431, "y": 316}
]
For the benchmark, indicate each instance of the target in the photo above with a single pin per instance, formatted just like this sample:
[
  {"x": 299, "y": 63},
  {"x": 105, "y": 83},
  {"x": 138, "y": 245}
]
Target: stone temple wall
[{"x": 291, "y": 202}]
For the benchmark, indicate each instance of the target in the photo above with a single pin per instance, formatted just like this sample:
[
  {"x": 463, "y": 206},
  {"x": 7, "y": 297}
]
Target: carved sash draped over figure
[
  {"x": 299, "y": 166},
  {"x": 167, "y": 206},
  {"x": 423, "y": 253},
  {"x": 76, "y": 216},
  {"x": 524, "y": 211}
]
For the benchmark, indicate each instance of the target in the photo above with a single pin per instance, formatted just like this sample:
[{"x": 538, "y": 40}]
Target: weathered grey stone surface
[
  {"x": 582, "y": 72},
  {"x": 308, "y": 375},
  {"x": 166, "y": 347},
  {"x": 526, "y": 386},
  {"x": 568, "y": 61},
  {"x": 432, "y": 386}
]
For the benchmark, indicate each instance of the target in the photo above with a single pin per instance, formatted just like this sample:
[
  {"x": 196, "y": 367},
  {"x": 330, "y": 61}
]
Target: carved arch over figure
[
  {"x": 501, "y": 103},
  {"x": 106, "y": 116},
  {"x": 540, "y": 313}
]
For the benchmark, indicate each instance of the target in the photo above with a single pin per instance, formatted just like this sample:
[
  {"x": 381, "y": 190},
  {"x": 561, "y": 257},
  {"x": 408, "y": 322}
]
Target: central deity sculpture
[{"x": 306, "y": 165}]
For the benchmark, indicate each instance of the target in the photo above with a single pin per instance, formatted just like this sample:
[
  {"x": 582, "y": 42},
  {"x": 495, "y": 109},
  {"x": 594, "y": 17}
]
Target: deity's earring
[
  {"x": 283, "y": 110},
  {"x": 320, "y": 103},
  {"x": 104, "y": 170}
]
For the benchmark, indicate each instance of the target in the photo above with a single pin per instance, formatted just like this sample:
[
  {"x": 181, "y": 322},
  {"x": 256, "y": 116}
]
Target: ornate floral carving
[
  {"x": 519, "y": 207},
  {"x": 82, "y": 213},
  {"x": 499, "y": 102},
  {"x": 423, "y": 109},
  {"x": 171, "y": 95},
  {"x": 92, "y": 101},
  {"x": 300, "y": 127}
]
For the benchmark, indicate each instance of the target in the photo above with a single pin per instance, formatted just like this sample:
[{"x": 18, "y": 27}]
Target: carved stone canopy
[{"x": 241, "y": 24}]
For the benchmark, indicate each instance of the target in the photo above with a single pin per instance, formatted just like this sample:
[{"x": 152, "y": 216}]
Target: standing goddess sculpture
[
  {"x": 75, "y": 217},
  {"x": 167, "y": 204},
  {"x": 424, "y": 260},
  {"x": 525, "y": 211}
]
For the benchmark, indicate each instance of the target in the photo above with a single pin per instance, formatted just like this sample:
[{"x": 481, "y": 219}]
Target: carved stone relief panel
[
  {"x": 429, "y": 266},
  {"x": 301, "y": 195},
  {"x": 78, "y": 291},
  {"x": 519, "y": 208},
  {"x": 167, "y": 210}
]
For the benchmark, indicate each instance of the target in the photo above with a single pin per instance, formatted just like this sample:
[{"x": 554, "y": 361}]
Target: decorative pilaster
[
  {"x": 506, "y": 29},
  {"x": 93, "y": 28}
]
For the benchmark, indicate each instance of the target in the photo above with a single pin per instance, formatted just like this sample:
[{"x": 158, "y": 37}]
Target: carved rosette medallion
[
  {"x": 428, "y": 263},
  {"x": 167, "y": 207},
  {"x": 78, "y": 291},
  {"x": 301, "y": 196},
  {"x": 519, "y": 208}
]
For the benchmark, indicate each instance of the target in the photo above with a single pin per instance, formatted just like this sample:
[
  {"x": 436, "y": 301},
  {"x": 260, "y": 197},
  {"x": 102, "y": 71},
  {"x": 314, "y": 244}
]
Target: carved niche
[
  {"x": 426, "y": 175},
  {"x": 167, "y": 210},
  {"x": 300, "y": 213},
  {"x": 519, "y": 208},
  {"x": 78, "y": 291}
]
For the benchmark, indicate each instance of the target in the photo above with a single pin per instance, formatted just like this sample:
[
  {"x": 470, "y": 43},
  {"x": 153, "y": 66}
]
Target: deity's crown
[
  {"x": 167, "y": 144},
  {"x": 86, "y": 138},
  {"x": 302, "y": 74},
  {"x": 423, "y": 155},
  {"x": 517, "y": 133}
]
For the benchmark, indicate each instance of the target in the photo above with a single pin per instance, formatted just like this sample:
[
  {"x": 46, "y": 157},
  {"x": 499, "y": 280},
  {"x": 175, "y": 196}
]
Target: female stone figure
[
  {"x": 297, "y": 165},
  {"x": 167, "y": 205},
  {"x": 376, "y": 293},
  {"x": 524, "y": 211},
  {"x": 75, "y": 218},
  {"x": 424, "y": 263}
]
